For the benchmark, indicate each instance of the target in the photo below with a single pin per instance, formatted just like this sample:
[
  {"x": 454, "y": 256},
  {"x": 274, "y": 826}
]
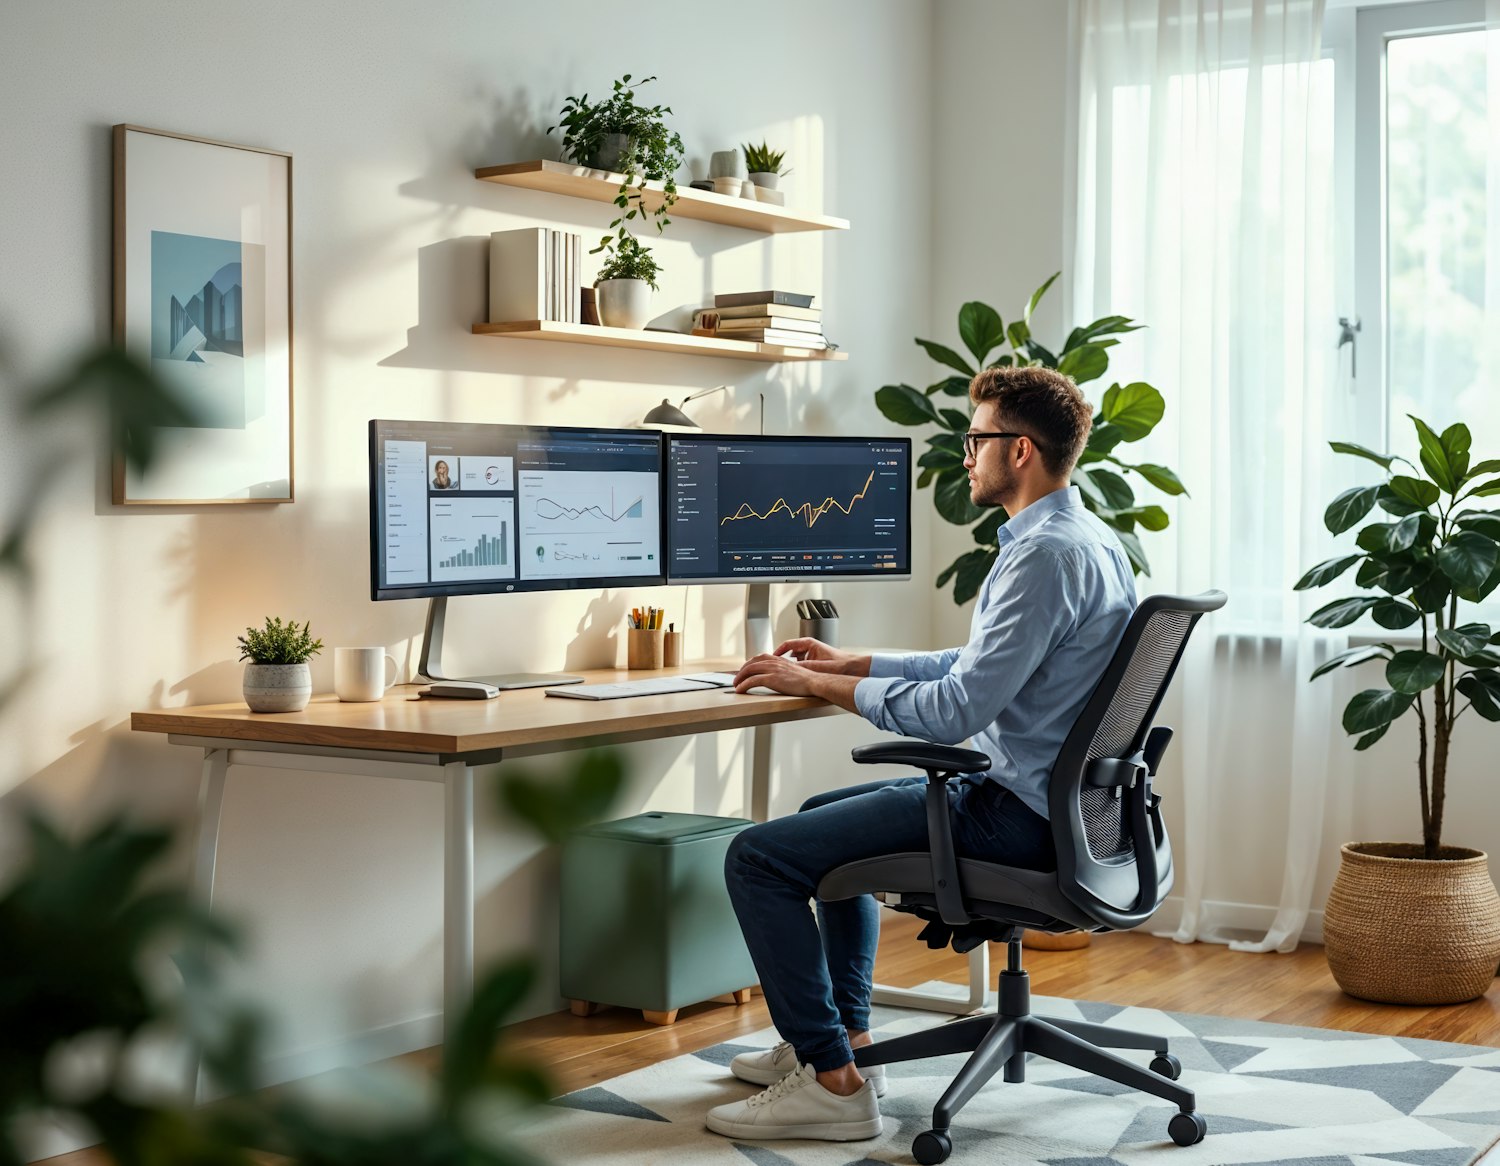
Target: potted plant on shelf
[
  {"x": 625, "y": 283},
  {"x": 277, "y": 678},
  {"x": 1417, "y": 922},
  {"x": 624, "y": 137},
  {"x": 764, "y": 165},
  {"x": 1127, "y": 413}
]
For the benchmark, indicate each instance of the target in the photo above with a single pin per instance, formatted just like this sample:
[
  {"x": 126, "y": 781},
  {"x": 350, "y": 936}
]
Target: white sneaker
[
  {"x": 798, "y": 1107},
  {"x": 770, "y": 1066}
]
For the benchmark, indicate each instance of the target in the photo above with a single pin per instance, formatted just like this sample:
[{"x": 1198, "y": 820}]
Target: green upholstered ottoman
[{"x": 646, "y": 920}]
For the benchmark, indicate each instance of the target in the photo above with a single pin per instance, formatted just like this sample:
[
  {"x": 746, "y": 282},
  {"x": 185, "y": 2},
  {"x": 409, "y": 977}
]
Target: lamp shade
[{"x": 669, "y": 414}]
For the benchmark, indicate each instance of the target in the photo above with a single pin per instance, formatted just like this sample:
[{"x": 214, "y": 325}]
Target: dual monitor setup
[{"x": 474, "y": 509}]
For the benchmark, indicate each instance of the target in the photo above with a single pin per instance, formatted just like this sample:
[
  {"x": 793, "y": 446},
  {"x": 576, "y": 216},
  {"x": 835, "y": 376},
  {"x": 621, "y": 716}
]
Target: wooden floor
[{"x": 1119, "y": 968}]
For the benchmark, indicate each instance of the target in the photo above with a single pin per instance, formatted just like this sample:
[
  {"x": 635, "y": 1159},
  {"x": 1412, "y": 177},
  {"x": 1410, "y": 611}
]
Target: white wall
[{"x": 387, "y": 108}]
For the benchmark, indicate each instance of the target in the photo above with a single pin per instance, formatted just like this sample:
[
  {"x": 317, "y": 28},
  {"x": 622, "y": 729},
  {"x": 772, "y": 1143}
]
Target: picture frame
[{"x": 202, "y": 295}]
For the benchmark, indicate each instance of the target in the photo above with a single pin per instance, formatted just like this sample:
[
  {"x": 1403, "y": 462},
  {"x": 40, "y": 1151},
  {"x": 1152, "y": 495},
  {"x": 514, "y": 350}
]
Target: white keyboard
[{"x": 654, "y": 686}]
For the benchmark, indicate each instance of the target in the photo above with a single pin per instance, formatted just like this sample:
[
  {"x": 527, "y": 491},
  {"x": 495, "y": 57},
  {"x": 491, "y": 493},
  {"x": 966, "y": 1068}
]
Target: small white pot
[
  {"x": 766, "y": 178},
  {"x": 624, "y": 303},
  {"x": 277, "y": 688}
]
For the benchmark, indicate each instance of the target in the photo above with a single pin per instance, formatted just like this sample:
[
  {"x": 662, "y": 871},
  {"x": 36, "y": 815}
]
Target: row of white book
[{"x": 535, "y": 274}]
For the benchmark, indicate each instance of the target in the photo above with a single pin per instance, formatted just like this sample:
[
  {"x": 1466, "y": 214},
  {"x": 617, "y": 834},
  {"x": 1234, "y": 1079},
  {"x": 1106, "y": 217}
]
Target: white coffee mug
[{"x": 359, "y": 673}]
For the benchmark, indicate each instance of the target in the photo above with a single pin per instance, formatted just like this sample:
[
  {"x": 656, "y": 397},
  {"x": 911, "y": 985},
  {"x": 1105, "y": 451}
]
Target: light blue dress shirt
[{"x": 1048, "y": 619}]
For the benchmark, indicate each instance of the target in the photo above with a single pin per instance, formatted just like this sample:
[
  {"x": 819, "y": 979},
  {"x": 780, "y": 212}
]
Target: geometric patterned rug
[{"x": 1270, "y": 1093}]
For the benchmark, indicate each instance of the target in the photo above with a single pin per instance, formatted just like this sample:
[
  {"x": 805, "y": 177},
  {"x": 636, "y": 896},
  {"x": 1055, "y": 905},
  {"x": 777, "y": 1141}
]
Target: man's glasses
[{"x": 972, "y": 440}]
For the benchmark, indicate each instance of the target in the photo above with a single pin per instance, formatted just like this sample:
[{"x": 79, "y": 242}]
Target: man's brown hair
[{"x": 1043, "y": 404}]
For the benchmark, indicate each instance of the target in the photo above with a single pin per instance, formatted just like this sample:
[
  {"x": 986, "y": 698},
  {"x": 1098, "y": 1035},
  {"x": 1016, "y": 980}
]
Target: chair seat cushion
[{"x": 988, "y": 887}]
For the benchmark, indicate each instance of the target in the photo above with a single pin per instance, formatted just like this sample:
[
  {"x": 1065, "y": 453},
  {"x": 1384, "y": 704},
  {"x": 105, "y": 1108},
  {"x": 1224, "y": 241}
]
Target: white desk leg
[
  {"x": 205, "y": 859},
  {"x": 458, "y": 894},
  {"x": 760, "y": 773},
  {"x": 979, "y": 975}
]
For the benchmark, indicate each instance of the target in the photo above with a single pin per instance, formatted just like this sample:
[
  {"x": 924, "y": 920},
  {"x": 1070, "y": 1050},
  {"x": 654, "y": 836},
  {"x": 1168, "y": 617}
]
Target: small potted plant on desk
[
  {"x": 764, "y": 165},
  {"x": 625, "y": 283},
  {"x": 277, "y": 678},
  {"x": 1417, "y": 922}
]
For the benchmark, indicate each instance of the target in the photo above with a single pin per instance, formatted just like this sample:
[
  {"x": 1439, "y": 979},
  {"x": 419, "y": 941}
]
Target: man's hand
[
  {"x": 790, "y": 677},
  {"x": 820, "y": 657}
]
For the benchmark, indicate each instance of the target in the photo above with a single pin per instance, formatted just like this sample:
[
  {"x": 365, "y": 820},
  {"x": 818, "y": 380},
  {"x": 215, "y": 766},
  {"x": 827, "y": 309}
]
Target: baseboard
[{"x": 1243, "y": 920}]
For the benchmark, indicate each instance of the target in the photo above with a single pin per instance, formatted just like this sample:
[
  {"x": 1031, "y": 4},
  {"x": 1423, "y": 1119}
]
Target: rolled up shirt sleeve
[{"x": 947, "y": 697}]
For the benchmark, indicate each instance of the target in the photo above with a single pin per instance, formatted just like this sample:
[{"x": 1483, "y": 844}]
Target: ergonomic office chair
[{"x": 1114, "y": 868}]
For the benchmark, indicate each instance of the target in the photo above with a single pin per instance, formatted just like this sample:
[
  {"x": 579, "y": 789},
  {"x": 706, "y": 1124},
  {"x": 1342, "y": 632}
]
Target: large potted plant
[
  {"x": 1417, "y": 922},
  {"x": 277, "y": 678},
  {"x": 626, "y": 281},
  {"x": 1127, "y": 413}
]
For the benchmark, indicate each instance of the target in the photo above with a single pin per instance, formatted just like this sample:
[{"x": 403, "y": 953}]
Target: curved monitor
[
  {"x": 470, "y": 509},
  {"x": 787, "y": 509}
]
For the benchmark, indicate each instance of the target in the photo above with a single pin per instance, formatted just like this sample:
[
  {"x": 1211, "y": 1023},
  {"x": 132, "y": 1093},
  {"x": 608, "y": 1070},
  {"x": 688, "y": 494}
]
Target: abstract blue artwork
[{"x": 198, "y": 320}]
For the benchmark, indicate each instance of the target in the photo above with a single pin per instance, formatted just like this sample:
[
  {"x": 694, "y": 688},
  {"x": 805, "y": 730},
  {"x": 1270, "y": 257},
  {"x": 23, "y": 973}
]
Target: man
[{"x": 1046, "y": 622}]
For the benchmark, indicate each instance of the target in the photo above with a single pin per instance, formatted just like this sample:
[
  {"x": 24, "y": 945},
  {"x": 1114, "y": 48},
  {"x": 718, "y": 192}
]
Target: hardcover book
[{"x": 791, "y": 299}]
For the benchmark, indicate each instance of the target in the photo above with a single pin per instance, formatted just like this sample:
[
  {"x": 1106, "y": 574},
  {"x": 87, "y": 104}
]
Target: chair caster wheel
[
  {"x": 1167, "y": 1066},
  {"x": 932, "y": 1147},
  {"x": 1186, "y": 1129}
]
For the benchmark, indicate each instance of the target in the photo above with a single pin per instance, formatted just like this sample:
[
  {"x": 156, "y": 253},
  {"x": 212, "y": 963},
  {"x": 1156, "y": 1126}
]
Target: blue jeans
[{"x": 817, "y": 977}]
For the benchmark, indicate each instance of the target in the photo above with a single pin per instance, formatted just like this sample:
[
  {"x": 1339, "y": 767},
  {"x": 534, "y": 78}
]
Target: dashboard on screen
[
  {"x": 763, "y": 509},
  {"x": 468, "y": 509}
]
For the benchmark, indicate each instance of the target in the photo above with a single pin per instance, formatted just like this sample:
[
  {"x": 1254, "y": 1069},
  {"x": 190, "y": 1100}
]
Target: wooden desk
[{"x": 442, "y": 741}]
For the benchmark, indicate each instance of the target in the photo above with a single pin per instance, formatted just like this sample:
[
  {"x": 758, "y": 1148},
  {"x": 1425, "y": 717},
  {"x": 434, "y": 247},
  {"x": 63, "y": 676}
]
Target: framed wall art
[{"x": 203, "y": 296}]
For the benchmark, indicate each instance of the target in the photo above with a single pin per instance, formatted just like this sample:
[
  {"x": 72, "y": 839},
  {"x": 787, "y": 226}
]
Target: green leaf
[
  {"x": 940, "y": 459},
  {"x": 1434, "y": 457},
  {"x": 1351, "y": 657},
  {"x": 1483, "y": 468},
  {"x": 1349, "y": 507},
  {"x": 1136, "y": 409},
  {"x": 1152, "y": 517},
  {"x": 1115, "y": 490},
  {"x": 1093, "y": 498},
  {"x": 1414, "y": 671},
  {"x": 1457, "y": 441},
  {"x": 954, "y": 420},
  {"x": 952, "y": 442},
  {"x": 924, "y": 479},
  {"x": 989, "y": 526},
  {"x": 905, "y": 406},
  {"x": 1134, "y": 552},
  {"x": 1374, "y": 708},
  {"x": 1383, "y": 460},
  {"x": 1394, "y": 614},
  {"x": 1161, "y": 477},
  {"x": 1404, "y": 533},
  {"x": 944, "y": 355},
  {"x": 1483, "y": 690},
  {"x": 952, "y": 386},
  {"x": 1432, "y": 592},
  {"x": 1326, "y": 572},
  {"x": 1036, "y": 296},
  {"x": 980, "y": 328},
  {"x": 1465, "y": 640},
  {"x": 1104, "y": 326},
  {"x": 1468, "y": 558},
  {"x": 1342, "y": 612},
  {"x": 1370, "y": 738},
  {"x": 1488, "y": 490},
  {"x": 1103, "y": 437},
  {"x": 952, "y": 501},
  {"x": 1391, "y": 503},
  {"x": 1040, "y": 355},
  {"x": 1414, "y": 490},
  {"x": 1085, "y": 363},
  {"x": 466, "y": 1055},
  {"x": 1018, "y": 333}
]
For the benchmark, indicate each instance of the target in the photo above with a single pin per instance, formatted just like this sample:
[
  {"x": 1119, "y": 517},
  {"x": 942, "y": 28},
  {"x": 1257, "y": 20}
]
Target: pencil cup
[
  {"x": 826, "y": 630},
  {"x": 643, "y": 647},
  {"x": 671, "y": 649}
]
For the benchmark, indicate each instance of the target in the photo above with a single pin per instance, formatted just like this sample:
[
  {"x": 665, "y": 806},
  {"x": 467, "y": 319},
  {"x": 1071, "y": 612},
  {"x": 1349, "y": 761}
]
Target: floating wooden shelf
[
  {"x": 652, "y": 341},
  {"x": 602, "y": 186}
]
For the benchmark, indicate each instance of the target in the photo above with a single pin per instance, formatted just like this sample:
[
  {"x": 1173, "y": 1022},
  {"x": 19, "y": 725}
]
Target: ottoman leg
[
  {"x": 742, "y": 996},
  {"x": 662, "y": 1018},
  {"x": 582, "y": 1007}
]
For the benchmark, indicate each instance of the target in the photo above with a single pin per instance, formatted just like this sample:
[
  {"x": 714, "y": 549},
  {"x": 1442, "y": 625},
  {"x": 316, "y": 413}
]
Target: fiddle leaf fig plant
[
  {"x": 1437, "y": 549},
  {"x": 1126, "y": 414}
]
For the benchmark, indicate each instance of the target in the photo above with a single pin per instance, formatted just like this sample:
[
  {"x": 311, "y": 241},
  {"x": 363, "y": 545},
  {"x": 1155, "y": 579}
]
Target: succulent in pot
[{"x": 277, "y": 677}]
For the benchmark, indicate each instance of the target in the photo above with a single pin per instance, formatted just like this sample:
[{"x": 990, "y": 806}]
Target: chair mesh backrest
[{"x": 1122, "y": 730}]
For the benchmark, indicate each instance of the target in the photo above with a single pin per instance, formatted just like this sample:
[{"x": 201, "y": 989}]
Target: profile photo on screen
[{"x": 441, "y": 476}]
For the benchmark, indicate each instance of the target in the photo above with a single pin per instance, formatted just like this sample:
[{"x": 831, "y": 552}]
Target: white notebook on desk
[{"x": 651, "y": 686}]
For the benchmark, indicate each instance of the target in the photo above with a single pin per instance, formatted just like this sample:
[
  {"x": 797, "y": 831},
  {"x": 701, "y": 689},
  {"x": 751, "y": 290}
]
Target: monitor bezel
[
  {"x": 502, "y": 586},
  {"x": 807, "y": 577}
]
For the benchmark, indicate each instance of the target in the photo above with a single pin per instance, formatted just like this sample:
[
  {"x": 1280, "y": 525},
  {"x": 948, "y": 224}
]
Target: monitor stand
[
  {"x": 758, "y": 637},
  {"x": 430, "y": 666}
]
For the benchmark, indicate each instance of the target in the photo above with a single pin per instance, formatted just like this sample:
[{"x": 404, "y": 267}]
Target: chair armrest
[
  {"x": 1156, "y": 745},
  {"x": 922, "y": 755}
]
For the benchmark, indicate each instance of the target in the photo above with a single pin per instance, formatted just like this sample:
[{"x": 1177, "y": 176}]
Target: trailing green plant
[
  {"x": 279, "y": 643},
  {"x": 762, "y": 159},
  {"x": 1435, "y": 553},
  {"x": 1126, "y": 413},
  {"x": 630, "y": 260},
  {"x": 653, "y": 152}
]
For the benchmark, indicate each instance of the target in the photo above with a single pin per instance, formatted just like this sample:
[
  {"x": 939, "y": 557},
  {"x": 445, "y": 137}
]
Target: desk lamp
[{"x": 669, "y": 416}]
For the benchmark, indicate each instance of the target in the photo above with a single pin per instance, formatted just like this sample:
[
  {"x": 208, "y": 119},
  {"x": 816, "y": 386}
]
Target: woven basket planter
[{"x": 1403, "y": 929}]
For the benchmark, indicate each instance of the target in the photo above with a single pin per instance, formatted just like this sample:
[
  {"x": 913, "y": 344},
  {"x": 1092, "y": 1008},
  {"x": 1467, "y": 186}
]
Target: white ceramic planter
[
  {"x": 624, "y": 303},
  {"x": 277, "y": 688},
  {"x": 766, "y": 178}
]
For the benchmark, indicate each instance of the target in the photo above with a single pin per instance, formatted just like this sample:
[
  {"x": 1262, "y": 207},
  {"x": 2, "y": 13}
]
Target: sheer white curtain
[{"x": 1204, "y": 190}]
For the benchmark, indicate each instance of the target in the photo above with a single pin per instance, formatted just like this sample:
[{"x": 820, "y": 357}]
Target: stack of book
[
  {"x": 769, "y": 317},
  {"x": 535, "y": 274}
]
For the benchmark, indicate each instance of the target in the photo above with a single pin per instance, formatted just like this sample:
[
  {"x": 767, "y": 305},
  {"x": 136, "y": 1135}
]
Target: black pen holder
[{"x": 826, "y": 630}]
